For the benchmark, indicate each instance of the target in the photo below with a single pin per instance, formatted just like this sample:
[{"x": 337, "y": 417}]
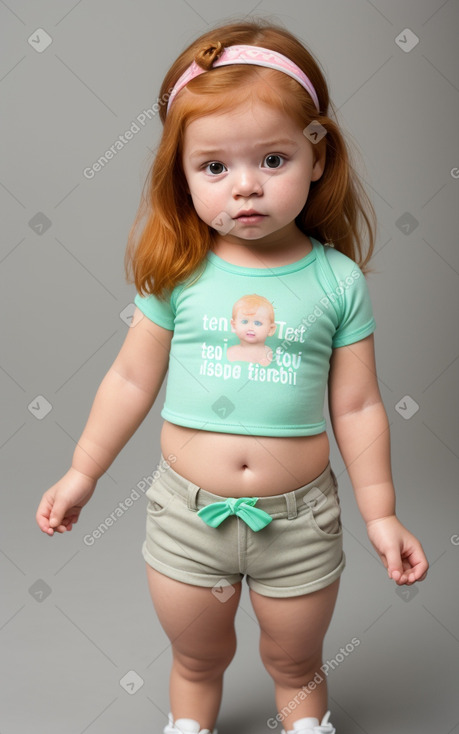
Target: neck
[{"x": 279, "y": 250}]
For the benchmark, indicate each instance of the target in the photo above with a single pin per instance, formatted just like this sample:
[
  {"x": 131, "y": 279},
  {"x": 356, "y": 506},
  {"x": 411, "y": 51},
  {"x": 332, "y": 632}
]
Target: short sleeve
[
  {"x": 157, "y": 310},
  {"x": 357, "y": 320}
]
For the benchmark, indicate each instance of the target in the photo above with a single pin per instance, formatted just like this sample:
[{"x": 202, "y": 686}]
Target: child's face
[
  {"x": 251, "y": 158},
  {"x": 254, "y": 327}
]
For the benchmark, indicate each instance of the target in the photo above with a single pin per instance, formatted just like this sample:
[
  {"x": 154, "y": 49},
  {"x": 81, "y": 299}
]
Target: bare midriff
[{"x": 233, "y": 465}]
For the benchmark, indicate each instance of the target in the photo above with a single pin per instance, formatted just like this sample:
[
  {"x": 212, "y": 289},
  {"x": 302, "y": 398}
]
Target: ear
[{"x": 320, "y": 154}]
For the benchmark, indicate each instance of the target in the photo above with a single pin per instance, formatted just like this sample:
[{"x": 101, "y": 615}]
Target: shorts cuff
[
  {"x": 188, "y": 577},
  {"x": 286, "y": 591}
]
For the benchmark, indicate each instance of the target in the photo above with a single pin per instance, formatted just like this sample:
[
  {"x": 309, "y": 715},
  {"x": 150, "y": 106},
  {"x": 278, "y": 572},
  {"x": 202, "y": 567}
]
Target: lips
[
  {"x": 249, "y": 217},
  {"x": 249, "y": 213}
]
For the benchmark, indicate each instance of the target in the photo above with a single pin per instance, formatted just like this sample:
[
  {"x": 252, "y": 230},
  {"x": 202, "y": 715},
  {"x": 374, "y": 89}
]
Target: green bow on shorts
[{"x": 243, "y": 507}]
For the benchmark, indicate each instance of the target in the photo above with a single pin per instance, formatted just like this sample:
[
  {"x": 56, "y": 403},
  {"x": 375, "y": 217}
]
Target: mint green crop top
[{"x": 251, "y": 347}]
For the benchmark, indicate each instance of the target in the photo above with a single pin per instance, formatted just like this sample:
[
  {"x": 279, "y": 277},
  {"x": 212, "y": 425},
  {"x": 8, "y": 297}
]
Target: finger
[
  {"x": 411, "y": 575},
  {"x": 394, "y": 565},
  {"x": 420, "y": 571},
  {"x": 57, "y": 515},
  {"x": 42, "y": 515},
  {"x": 44, "y": 526},
  {"x": 42, "y": 522},
  {"x": 407, "y": 577},
  {"x": 416, "y": 564}
]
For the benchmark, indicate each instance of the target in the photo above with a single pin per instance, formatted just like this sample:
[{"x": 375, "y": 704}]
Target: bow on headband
[{"x": 255, "y": 55}]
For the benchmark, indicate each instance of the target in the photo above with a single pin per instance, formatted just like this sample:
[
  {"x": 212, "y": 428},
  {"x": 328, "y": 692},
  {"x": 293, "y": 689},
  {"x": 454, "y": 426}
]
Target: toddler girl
[{"x": 251, "y": 201}]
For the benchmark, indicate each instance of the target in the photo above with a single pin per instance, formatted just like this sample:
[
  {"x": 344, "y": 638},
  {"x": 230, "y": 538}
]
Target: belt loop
[
  {"x": 334, "y": 477},
  {"x": 191, "y": 501},
  {"x": 292, "y": 511}
]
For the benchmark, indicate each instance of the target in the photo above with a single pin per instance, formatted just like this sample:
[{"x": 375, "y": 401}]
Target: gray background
[{"x": 76, "y": 619}]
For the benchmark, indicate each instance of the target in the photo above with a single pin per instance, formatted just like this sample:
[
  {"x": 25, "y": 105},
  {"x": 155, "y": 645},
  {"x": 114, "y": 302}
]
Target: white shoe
[
  {"x": 185, "y": 726},
  {"x": 310, "y": 725}
]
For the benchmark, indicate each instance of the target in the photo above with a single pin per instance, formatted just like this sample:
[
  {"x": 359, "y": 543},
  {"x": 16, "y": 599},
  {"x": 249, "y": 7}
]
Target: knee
[
  {"x": 209, "y": 662},
  {"x": 290, "y": 671}
]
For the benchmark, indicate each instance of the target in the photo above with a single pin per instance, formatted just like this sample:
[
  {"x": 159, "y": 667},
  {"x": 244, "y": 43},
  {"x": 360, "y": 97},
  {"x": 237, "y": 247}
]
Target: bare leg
[
  {"x": 201, "y": 631},
  {"x": 292, "y": 633}
]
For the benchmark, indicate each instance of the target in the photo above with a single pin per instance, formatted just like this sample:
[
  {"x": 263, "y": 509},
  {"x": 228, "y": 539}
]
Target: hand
[
  {"x": 61, "y": 505},
  {"x": 398, "y": 549}
]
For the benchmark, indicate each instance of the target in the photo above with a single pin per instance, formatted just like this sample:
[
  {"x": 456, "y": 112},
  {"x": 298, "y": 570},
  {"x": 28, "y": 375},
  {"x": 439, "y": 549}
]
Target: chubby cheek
[
  {"x": 202, "y": 202},
  {"x": 294, "y": 197},
  {"x": 204, "y": 209},
  {"x": 205, "y": 205}
]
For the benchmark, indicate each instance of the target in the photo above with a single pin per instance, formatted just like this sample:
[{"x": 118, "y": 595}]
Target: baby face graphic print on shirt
[{"x": 253, "y": 321}]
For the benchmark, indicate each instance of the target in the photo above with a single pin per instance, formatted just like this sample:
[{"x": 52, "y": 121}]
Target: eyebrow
[{"x": 263, "y": 144}]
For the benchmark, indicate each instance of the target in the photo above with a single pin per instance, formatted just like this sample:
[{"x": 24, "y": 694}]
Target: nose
[{"x": 247, "y": 182}]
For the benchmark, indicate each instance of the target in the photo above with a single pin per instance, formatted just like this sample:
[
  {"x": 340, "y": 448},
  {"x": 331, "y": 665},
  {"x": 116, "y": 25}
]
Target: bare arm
[
  {"x": 122, "y": 401},
  {"x": 361, "y": 427},
  {"x": 125, "y": 396},
  {"x": 361, "y": 430}
]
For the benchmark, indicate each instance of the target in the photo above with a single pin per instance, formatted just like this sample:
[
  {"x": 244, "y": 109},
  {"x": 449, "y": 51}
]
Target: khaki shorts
[{"x": 299, "y": 551}]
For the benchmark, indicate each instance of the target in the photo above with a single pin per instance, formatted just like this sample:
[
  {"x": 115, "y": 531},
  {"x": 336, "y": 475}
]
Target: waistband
[{"x": 285, "y": 505}]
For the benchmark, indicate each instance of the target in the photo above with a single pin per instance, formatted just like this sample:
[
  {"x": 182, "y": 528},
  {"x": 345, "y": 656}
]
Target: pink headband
[{"x": 249, "y": 55}]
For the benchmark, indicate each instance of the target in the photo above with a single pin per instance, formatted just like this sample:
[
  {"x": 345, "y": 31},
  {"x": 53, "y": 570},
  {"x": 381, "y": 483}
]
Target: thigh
[
  {"x": 293, "y": 628},
  {"x": 199, "y": 621}
]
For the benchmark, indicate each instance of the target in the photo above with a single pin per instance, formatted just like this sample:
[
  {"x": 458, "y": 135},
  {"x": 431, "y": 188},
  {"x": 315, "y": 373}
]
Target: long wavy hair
[{"x": 168, "y": 241}]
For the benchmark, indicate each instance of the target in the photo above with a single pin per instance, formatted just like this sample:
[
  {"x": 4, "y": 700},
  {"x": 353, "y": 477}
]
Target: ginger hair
[{"x": 250, "y": 304}]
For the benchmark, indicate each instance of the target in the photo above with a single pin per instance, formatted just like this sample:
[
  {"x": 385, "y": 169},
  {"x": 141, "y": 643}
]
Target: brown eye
[
  {"x": 273, "y": 161},
  {"x": 215, "y": 168}
]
